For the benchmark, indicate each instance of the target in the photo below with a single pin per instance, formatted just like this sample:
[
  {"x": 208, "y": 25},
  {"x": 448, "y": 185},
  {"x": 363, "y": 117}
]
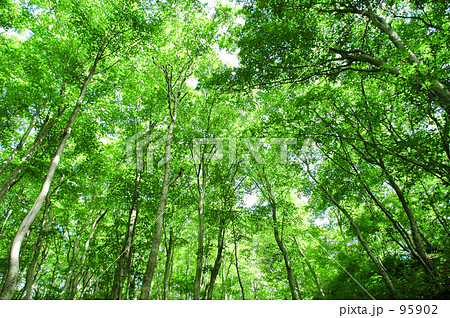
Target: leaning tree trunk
[
  {"x": 292, "y": 284},
  {"x": 157, "y": 234},
  {"x": 410, "y": 245},
  {"x": 382, "y": 271},
  {"x": 436, "y": 87},
  {"x": 10, "y": 286},
  {"x": 30, "y": 278},
  {"x": 69, "y": 276},
  {"x": 415, "y": 230},
  {"x": 16, "y": 173},
  {"x": 20, "y": 145},
  {"x": 311, "y": 269}
]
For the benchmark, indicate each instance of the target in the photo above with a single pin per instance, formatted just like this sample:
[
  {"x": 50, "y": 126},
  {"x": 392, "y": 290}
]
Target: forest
[{"x": 224, "y": 150}]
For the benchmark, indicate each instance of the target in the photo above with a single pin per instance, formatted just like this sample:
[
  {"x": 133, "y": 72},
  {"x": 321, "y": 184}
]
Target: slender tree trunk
[
  {"x": 218, "y": 260},
  {"x": 17, "y": 172},
  {"x": 201, "y": 230},
  {"x": 400, "y": 229},
  {"x": 342, "y": 232},
  {"x": 30, "y": 278},
  {"x": 280, "y": 243},
  {"x": 436, "y": 87},
  {"x": 237, "y": 263},
  {"x": 9, "y": 211},
  {"x": 415, "y": 231},
  {"x": 203, "y": 284},
  {"x": 55, "y": 269},
  {"x": 69, "y": 278},
  {"x": 10, "y": 286},
  {"x": 74, "y": 284},
  {"x": 20, "y": 145},
  {"x": 151, "y": 265},
  {"x": 294, "y": 294},
  {"x": 40, "y": 268},
  {"x": 382, "y": 271},
  {"x": 174, "y": 98},
  {"x": 433, "y": 207},
  {"x": 169, "y": 256},
  {"x": 126, "y": 253},
  {"x": 311, "y": 269}
]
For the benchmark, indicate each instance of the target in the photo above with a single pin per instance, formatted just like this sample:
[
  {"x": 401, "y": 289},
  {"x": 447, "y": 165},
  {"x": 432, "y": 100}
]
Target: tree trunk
[
  {"x": 124, "y": 263},
  {"x": 151, "y": 265},
  {"x": 411, "y": 248},
  {"x": 69, "y": 278},
  {"x": 10, "y": 285},
  {"x": 436, "y": 87},
  {"x": 433, "y": 207},
  {"x": 74, "y": 284},
  {"x": 237, "y": 263},
  {"x": 175, "y": 97},
  {"x": 218, "y": 260},
  {"x": 201, "y": 230},
  {"x": 279, "y": 241},
  {"x": 311, "y": 269},
  {"x": 30, "y": 278},
  {"x": 341, "y": 231},
  {"x": 16, "y": 173},
  {"x": 9, "y": 211},
  {"x": 169, "y": 256},
  {"x": 20, "y": 145},
  {"x": 382, "y": 271},
  {"x": 415, "y": 231}
]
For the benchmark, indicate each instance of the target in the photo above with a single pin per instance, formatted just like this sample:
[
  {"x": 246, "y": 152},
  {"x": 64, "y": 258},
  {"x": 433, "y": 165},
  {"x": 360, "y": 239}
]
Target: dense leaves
[{"x": 317, "y": 168}]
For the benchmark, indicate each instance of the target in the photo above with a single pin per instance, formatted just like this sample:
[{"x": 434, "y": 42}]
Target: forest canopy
[{"x": 247, "y": 149}]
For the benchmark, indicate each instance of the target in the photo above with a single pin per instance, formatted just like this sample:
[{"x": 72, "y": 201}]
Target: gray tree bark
[
  {"x": 273, "y": 205},
  {"x": 174, "y": 94},
  {"x": 311, "y": 269},
  {"x": 10, "y": 286},
  {"x": 30, "y": 277},
  {"x": 382, "y": 271},
  {"x": 124, "y": 262},
  {"x": 74, "y": 281}
]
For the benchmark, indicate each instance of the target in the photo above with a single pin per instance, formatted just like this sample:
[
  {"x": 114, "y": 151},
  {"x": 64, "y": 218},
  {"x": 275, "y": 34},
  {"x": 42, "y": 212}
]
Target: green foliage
[{"x": 376, "y": 171}]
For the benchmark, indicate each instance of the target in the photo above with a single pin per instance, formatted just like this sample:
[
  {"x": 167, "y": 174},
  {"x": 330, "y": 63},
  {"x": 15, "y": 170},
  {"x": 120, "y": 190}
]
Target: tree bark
[
  {"x": 74, "y": 283},
  {"x": 273, "y": 203},
  {"x": 174, "y": 98},
  {"x": 16, "y": 173},
  {"x": 124, "y": 263},
  {"x": 437, "y": 88},
  {"x": 20, "y": 145},
  {"x": 415, "y": 231},
  {"x": 169, "y": 256},
  {"x": 30, "y": 278},
  {"x": 201, "y": 230},
  {"x": 311, "y": 269},
  {"x": 341, "y": 231},
  {"x": 237, "y": 263},
  {"x": 10, "y": 286},
  {"x": 361, "y": 239},
  {"x": 157, "y": 234},
  {"x": 218, "y": 260}
]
